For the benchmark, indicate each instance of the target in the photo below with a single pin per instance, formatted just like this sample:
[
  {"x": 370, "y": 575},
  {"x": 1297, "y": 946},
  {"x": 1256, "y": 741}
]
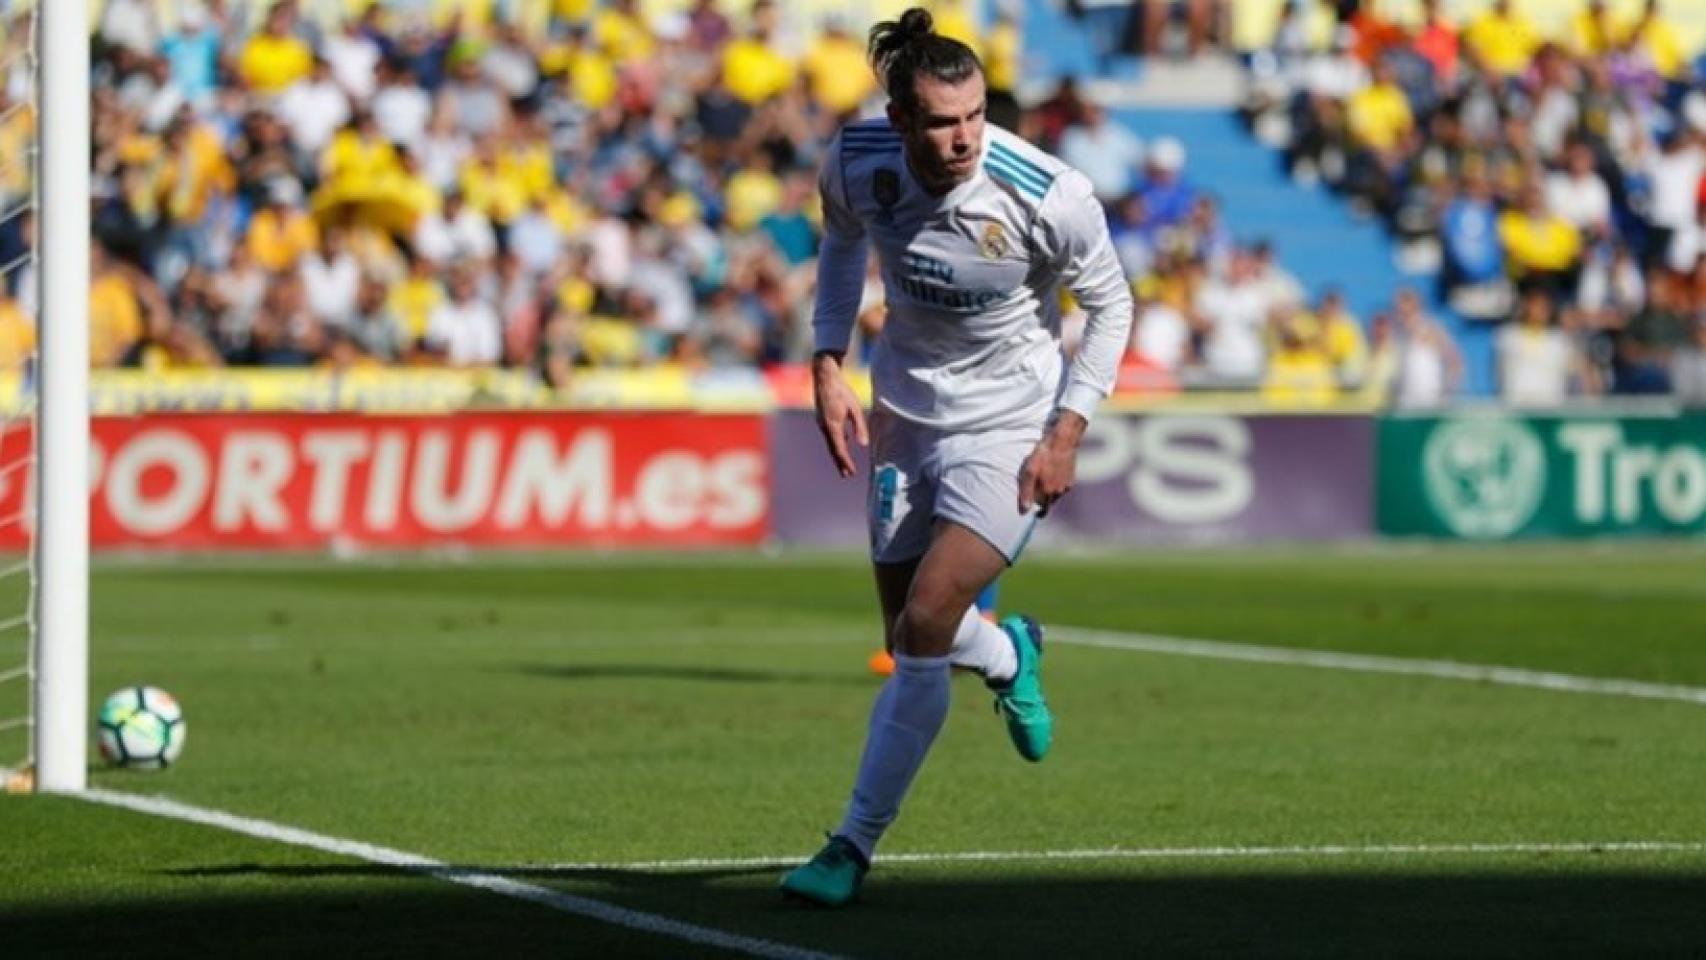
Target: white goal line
[
  {"x": 1371, "y": 663},
  {"x": 478, "y": 879},
  {"x": 1339, "y": 851}
]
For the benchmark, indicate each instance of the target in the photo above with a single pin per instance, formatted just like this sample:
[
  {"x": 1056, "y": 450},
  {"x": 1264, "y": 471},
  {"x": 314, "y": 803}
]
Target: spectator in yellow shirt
[
  {"x": 839, "y": 74},
  {"x": 589, "y": 75},
  {"x": 359, "y": 152},
  {"x": 115, "y": 317},
  {"x": 1331, "y": 329},
  {"x": 1381, "y": 126},
  {"x": 1299, "y": 374},
  {"x": 1542, "y": 249},
  {"x": 1502, "y": 40},
  {"x": 493, "y": 186},
  {"x": 281, "y": 232},
  {"x": 527, "y": 158},
  {"x": 195, "y": 170},
  {"x": 1593, "y": 32},
  {"x": 413, "y": 300},
  {"x": 1341, "y": 339},
  {"x": 753, "y": 193},
  {"x": 621, "y": 33},
  {"x": 1379, "y": 114},
  {"x": 752, "y": 70},
  {"x": 273, "y": 59}
]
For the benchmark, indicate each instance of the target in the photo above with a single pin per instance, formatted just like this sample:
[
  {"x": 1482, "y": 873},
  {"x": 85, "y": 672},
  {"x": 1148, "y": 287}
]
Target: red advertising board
[{"x": 309, "y": 480}]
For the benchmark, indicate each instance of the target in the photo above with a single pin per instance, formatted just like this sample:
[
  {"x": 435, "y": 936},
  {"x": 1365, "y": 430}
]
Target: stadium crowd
[
  {"x": 277, "y": 189},
  {"x": 612, "y": 190},
  {"x": 602, "y": 188},
  {"x": 1558, "y": 182}
]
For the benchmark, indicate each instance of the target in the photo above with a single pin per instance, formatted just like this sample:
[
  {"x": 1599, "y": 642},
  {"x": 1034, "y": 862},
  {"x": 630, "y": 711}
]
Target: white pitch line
[
  {"x": 1369, "y": 663},
  {"x": 1162, "y": 853},
  {"x": 481, "y": 880}
]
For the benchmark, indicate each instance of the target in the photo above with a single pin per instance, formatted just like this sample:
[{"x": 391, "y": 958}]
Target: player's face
[{"x": 944, "y": 138}]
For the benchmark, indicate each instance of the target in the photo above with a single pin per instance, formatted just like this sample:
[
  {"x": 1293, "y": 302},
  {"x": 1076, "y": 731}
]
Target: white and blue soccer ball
[{"x": 142, "y": 728}]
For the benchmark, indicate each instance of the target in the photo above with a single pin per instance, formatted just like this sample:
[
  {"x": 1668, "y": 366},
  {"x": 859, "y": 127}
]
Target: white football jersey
[{"x": 972, "y": 338}]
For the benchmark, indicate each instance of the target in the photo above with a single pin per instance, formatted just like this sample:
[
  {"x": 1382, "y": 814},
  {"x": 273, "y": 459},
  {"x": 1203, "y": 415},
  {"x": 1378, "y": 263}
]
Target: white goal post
[{"x": 61, "y": 696}]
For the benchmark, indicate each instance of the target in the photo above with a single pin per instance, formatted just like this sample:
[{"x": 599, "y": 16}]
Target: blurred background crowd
[
  {"x": 560, "y": 185},
  {"x": 612, "y": 190},
  {"x": 408, "y": 183},
  {"x": 1556, "y": 181}
]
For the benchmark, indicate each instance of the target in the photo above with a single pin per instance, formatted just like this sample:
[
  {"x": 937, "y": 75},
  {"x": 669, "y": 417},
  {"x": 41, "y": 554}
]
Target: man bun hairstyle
[{"x": 902, "y": 50}]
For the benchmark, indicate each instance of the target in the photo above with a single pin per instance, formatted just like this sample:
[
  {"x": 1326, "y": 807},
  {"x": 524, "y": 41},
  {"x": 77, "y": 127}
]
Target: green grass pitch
[{"x": 551, "y": 718}]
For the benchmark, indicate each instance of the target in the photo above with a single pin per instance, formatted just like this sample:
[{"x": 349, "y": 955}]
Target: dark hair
[{"x": 902, "y": 49}]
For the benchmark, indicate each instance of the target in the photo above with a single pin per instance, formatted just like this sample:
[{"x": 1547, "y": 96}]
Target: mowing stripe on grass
[
  {"x": 480, "y": 880},
  {"x": 1369, "y": 663},
  {"x": 1163, "y": 853}
]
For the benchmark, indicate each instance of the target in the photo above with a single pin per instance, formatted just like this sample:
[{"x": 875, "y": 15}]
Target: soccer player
[{"x": 975, "y": 428}]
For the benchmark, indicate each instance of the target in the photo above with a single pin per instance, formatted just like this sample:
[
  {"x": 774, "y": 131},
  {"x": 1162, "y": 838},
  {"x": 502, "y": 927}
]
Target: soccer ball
[{"x": 142, "y": 728}]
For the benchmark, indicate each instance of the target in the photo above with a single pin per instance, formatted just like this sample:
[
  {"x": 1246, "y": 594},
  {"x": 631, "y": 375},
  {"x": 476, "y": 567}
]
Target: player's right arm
[{"x": 840, "y": 282}]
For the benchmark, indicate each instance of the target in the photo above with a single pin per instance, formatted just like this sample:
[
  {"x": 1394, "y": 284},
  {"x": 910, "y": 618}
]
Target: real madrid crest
[{"x": 993, "y": 244}]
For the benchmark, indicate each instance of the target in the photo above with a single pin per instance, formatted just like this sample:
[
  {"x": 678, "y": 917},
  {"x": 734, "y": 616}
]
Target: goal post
[{"x": 61, "y": 695}]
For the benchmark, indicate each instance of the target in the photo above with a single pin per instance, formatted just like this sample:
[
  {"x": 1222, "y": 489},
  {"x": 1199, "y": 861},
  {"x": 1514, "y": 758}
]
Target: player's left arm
[{"x": 1073, "y": 230}]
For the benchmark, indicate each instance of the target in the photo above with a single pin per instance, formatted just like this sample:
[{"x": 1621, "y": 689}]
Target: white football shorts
[{"x": 921, "y": 474}]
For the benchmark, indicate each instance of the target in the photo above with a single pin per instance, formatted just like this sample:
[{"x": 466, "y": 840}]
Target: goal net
[
  {"x": 19, "y": 306},
  {"x": 44, "y": 366}
]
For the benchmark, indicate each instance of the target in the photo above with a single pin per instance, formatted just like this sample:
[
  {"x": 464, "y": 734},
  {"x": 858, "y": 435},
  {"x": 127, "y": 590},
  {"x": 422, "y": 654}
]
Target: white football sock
[
  {"x": 982, "y": 646},
  {"x": 908, "y": 714}
]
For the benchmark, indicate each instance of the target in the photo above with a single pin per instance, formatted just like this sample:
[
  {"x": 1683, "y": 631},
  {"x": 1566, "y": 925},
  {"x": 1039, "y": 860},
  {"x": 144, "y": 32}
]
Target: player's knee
[
  {"x": 928, "y": 622},
  {"x": 921, "y": 635}
]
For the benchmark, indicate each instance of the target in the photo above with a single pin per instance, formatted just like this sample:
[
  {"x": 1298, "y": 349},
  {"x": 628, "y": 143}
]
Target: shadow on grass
[
  {"x": 390, "y": 914},
  {"x": 1543, "y": 910},
  {"x": 653, "y": 671}
]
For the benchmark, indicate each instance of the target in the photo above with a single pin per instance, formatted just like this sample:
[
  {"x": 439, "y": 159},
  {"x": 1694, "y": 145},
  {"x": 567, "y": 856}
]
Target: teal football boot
[
  {"x": 1020, "y": 700},
  {"x": 830, "y": 879}
]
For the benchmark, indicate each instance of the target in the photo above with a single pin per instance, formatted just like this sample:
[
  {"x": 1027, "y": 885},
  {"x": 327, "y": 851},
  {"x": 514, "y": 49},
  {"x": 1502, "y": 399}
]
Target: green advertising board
[{"x": 1498, "y": 476}]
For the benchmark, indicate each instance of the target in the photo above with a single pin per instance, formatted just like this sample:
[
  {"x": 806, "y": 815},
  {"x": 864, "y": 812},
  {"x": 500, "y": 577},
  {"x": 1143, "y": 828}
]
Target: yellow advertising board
[{"x": 424, "y": 391}]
